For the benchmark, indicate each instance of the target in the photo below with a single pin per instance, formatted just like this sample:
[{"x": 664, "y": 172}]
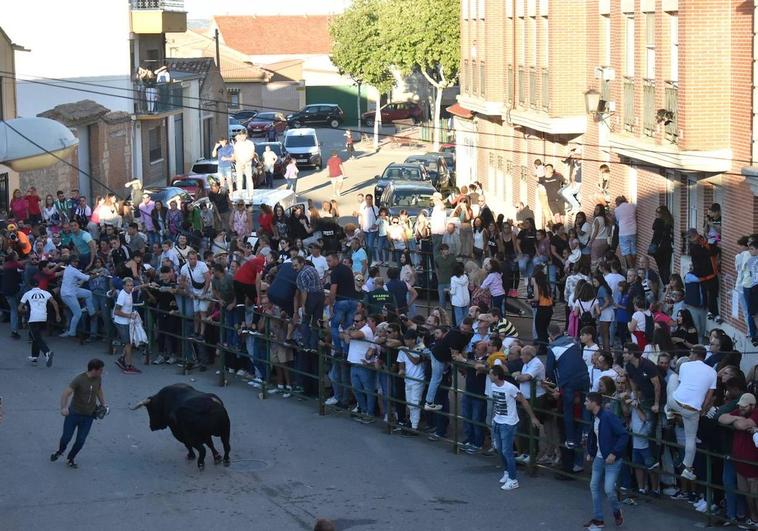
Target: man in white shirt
[
  {"x": 71, "y": 292},
  {"x": 603, "y": 363},
  {"x": 532, "y": 375},
  {"x": 361, "y": 355},
  {"x": 626, "y": 215},
  {"x": 368, "y": 218},
  {"x": 318, "y": 261},
  {"x": 589, "y": 347},
  {"x": 123, "y": 313},
  {"x": 269, "y": 160},
  {"x": 411, "y": 369},
  {"x": 36, "y": 300},
  {"x": 244, "y": 152},
  {"x": 199, "y": 280},
  {"x": 693, "y": 397}
]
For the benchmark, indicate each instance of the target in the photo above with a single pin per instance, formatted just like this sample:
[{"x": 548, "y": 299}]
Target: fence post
[
  {"x": 456, "y": 426},
  {"x": 150, "y": 330},
  {"x": 222, "y": 381}
]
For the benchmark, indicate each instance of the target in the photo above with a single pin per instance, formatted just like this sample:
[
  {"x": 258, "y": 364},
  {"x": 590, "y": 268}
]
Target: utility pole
[{"x": 218, "y": 53}]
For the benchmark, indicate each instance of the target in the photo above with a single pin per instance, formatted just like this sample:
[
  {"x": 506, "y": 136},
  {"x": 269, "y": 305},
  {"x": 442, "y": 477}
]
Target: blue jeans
[
  {"x": 259, "y": 355},
  {"x": 459, "y": 313},
  {"x": 438, "y": 368},
  {"x": 370, "y": 245},
  {"x": 74, "y": 421},
  {"x": 502, "y": 438},
  {"x": 382, "y": 251},
  {"x": 363, "y": 380},
  {"x": 13, "y": 304},
  {"x": 312, "y": 312},
  {"x": 339, "y": 375},
  {"x": 292, "y": 185},
  {"x": 71, "y": 300},
  {"x": 599, "y": 469},
  {"x": 735, "y": 503},
  {"x": 569, "y": 423},
  {"x": 526, "y": 265},
  {"x": 441, "y": 287},
  {"x": 441, "y": 421},
  {"x": 229, "y": 334},
  {"x": 749, "y": 318},
  {"x": 475, "y": 410},
  {"x": 344, "y": 311},
  {"x": 497, "y": 302}
]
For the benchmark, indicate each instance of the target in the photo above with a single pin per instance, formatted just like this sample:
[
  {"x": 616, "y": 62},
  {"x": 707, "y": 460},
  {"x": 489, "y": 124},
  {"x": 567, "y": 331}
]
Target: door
[
  {"x": 179, "y": 144},
  {"x": 207, "y": 138},
  {"x": 4, "y": 193}
]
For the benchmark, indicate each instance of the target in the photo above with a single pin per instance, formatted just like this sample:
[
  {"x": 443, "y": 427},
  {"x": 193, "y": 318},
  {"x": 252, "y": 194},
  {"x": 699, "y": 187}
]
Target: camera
[{"x": 13, "y": 236}]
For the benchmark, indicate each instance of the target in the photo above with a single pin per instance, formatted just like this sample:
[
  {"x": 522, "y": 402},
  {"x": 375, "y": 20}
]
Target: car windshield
[
  {"x": 411, "y": 198},
  {"x": 264, "y": 117},
  {"x": 276, "y": 148},
  {"x": 233, "y": 121},
  {"x": 185, "y": 183},
  {"x": 204, "y": 168},
  {"x": 299, "y": 141},
  {"x": 429, "y": 164},
  {"x": 406, "y": 174}
]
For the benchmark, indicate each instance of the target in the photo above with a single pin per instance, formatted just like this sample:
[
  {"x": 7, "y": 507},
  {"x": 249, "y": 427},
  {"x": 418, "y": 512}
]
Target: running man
[
  {"x": 36, "y": 301},
  {"x": 84, "y": 392}
]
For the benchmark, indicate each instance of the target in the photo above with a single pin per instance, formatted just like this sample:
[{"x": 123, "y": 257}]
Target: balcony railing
[
  {"x": 165, "y": 5},
  {"x": 672, "y": 105},
  {"x": 533, "y": 87},
  {"x": 545, "y": 89},
  {"x": 521, "y": 86},
  {"x": 648, "y": 107},
  {"x": 629, "y": 104},
  {"x": 157, "y": 98}
]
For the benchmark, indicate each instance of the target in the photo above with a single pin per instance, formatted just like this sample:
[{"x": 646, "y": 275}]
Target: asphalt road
[{"x": 289, "y": 466}]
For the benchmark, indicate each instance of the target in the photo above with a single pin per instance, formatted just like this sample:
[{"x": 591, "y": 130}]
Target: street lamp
[{"x": 34, "y": 143}]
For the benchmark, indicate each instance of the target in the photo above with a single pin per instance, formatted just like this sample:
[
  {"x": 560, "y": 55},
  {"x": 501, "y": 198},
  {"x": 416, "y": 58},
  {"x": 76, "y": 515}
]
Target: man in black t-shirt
[
  {"x": 221, "y": 202},
  {"x": 558, "y": 244},
  {"x": 331, "y": 235},
  {"x": 343, "y": 299},
  {"x": 162, "y": 295},
  {"x": 645, "y": 380}
]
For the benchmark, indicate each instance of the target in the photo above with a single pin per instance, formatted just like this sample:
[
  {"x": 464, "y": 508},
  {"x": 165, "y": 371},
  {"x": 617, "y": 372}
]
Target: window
[
  {"x": 464, "y": 9},
  {"x": 509, "y": 81},
  {"x": 234, "y": 98},
  {"x": 532, "y": 37},
  {"x": 533, "y": 87},
  {"x": 521, "y": 85},
  {"x": 474, "y": 79},
  {"x": 650, "y": 45},
  {"x": 648, "y": 107},
  {"x": 155, "y": 147},
  {"x": 480, "y": 8},
  {"x": 482, "y": 80},
  {"x": 674, "y": 33},
  {"x": 466, "y": 78},
  {"x": 629, "y": 118},
  {"x": 629, "y": 46},
  {"x": 544, "y": 42},
  {"x": 545, "y": 89},
  {"x": 605, "y": 50}
]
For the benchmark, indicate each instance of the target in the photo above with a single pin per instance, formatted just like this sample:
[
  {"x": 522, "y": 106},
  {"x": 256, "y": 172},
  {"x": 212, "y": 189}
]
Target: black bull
[{"x": 193, "y": 417}]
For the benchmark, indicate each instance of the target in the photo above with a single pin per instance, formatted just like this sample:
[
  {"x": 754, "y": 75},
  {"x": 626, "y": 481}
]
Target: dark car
[
  {"x": 164, "y": 194},
  {"x": 260, "y": 124},
  {"x": 449, "y": 155},
  {"x": 435, "y": 166},
  {"x": 281, "y": 153},
  {"x": 412, "y": 196},
  {"x": 318, "y": 113},
  {"x": 393, "y": 112},
  {"x": 400, "y": 172}
]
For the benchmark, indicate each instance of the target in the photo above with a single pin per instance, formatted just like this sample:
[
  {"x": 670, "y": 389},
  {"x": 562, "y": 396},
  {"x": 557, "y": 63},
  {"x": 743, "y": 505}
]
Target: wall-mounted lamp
[{"x": 597, "y": 107}]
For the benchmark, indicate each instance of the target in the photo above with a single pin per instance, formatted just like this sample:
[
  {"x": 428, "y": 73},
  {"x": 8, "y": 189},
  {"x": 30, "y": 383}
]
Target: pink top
[{"x": 494, "y": 282}]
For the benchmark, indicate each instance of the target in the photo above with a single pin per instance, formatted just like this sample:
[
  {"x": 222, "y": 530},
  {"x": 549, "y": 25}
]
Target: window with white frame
[
  {"x": 605, "y": 45},
  {"x": 532, "y": 37},
  {"x": 465, "y": 9},
  {"x": 650, "y": 45},
  {"x": 629, "y": 46},
  {"x": 544, "y": 42},
  {"x": 233, "y": 98},
  {"x": 480, "y": 8},
  {"x": 674, "y": 39}
]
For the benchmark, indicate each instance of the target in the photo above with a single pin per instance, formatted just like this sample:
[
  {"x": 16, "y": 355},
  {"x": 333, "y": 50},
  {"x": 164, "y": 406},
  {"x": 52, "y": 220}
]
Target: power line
[
  {"x": 383, "y": 135},
  {"x": 282, "y": 109}
]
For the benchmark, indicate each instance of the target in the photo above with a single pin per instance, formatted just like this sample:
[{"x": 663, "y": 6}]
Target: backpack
[
  {"x": 649, "y": 327},
  {"x": 585, "y": 317}
]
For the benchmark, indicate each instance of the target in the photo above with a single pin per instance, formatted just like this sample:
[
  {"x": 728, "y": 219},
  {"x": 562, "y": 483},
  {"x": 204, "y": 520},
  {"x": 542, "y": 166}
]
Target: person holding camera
[{"x": 79, "y": 408}]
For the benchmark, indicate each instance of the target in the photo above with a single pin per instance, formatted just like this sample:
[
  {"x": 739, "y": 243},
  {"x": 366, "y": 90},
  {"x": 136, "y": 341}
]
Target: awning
[{"x": 461, "y": 112}]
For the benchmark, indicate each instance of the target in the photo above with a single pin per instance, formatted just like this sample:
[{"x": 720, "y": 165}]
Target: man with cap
[{"x": 745, "y": 423}]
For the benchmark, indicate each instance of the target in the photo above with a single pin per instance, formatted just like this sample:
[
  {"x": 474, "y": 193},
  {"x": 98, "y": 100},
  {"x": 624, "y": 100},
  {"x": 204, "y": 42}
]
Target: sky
[{"x": 204, "y": 9}]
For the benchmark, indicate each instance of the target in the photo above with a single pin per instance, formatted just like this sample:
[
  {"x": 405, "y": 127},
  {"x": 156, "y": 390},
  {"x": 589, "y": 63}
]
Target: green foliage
[{"x": 357, "y": 47}]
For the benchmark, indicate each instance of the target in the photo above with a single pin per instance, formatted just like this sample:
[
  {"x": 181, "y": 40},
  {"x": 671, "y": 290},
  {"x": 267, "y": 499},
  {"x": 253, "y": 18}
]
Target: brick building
[{"x": 670, "y": 88}]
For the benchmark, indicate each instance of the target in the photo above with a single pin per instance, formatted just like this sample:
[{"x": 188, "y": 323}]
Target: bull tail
[{"x": 226, "y": 427}]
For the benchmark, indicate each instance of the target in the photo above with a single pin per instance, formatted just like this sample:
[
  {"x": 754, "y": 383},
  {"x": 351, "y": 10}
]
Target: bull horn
[{"x": 143, "y": 403}]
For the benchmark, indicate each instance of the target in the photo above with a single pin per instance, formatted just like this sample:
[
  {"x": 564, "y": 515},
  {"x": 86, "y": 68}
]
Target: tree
[
  {"x": 358, "y": 50},
  {"x": 424, "y": 36}
]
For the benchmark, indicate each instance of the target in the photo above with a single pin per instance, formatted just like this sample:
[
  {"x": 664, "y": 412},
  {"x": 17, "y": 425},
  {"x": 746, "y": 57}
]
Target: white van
[{"x": 303, "y": 146}]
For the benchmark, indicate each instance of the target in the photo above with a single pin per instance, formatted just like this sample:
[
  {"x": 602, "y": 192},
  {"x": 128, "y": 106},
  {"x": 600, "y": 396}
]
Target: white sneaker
[
  {"x": 331, "y": 401},
  {"x": 688, "y": 474},
  {"x": 523, "y": 458},
  {"x": 254, "y": 384},
  {"x": 670, "y": 491},
  {"x": 32, "y": 359},
  {"x": 511, "y": 484},
  {"x": 241, "y": 373},
  {"x": 355, "y": 409},
  {"x": 159, "y": 360},
  {"x": 701, "y": 506},
  {"x": 171, "y": 360},
  {"x": 505, "y": 477}
]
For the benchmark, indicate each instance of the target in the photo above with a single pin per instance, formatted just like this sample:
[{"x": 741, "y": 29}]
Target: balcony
[
  {"x": 533, "y": 87},
  {"x": 629, "y": 118},
  {"x": 521, "y": 86},
  {"x": 150, "y": 17},
  {"x": 672, "y": 105},
  {"x": 545, "y": 89},
  {"x": 648, "y": 107},
  {"x": 155, "y": 102}
]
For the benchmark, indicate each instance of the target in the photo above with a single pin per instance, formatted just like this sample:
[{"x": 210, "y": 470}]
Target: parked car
[
  {"x": 235, "y": 127},
  {"x": 244, "y": 115},
  {"x": 194, "y": 187},
  {"x": 167, "y": 194},
  {"x": 321, "y": 113},
  {"x": 303, "y": 146},
  {"x": 435, "y": 166},
  {"x": 400, "y": 172},
  {"x": 412, "y": 196},
  {"x": 260, "y": 124},
  {"x": 278, "y": 148},
  {"x": 393, "y": 112},
  {"x": 204, "y": 169},
  {"x": 449, "y": 156}
]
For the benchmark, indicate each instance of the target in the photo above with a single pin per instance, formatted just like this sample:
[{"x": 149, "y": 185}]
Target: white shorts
[{"x": 200, "y": 305}]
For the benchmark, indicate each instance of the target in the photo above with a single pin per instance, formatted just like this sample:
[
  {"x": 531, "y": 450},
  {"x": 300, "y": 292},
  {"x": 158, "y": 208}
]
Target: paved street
[{"x": 289, "y": 466}]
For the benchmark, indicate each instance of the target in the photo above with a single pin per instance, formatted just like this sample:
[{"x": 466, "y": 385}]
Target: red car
[
  {"x": 260, "y": 124},
  {"x": 194, "y": 187},
  {"x": 393, "y": 112}
]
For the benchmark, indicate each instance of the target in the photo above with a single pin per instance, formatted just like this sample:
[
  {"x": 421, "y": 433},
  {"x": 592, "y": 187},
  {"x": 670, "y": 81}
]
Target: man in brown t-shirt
[{"x": 84, "y": 392}]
